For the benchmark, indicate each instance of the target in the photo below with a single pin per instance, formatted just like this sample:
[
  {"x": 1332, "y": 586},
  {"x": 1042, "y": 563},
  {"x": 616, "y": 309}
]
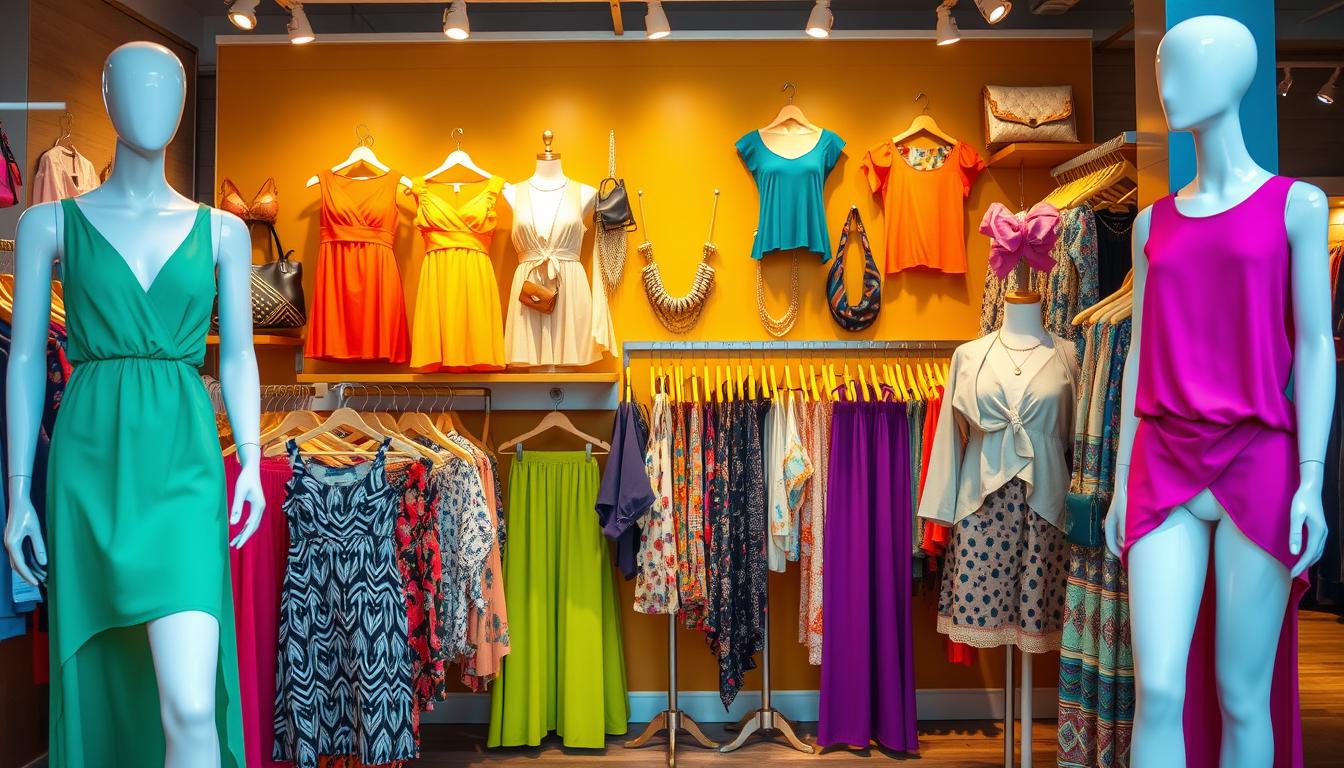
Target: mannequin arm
[
  {"x": 1129, "y": 422},
  {"x": 238, "y": 366},
  {"x": 1307, "y": 221},
  {"x": 39, "y": 237}
]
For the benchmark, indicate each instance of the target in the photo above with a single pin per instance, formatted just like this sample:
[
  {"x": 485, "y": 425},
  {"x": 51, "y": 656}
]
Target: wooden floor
[{"x": 942, "y": 744}]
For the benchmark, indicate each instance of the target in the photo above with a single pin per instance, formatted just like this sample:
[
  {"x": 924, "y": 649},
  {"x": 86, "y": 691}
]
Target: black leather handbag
[
  {"x": 612, "y": 210},
  {"x": 277, "y": 291}
]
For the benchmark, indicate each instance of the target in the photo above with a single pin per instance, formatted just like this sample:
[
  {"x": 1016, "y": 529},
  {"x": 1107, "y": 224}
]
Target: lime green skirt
[{"x": 565, "y": 671}]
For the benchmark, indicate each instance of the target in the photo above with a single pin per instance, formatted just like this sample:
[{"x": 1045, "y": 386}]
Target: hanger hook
[
  {"x": 790, "y": 89},
  {"x": 363, "y": 136},
  {"x": 925, "y": 97},
  {"x": 557, "y": 397},
  {"x": 457, "y": 135}
]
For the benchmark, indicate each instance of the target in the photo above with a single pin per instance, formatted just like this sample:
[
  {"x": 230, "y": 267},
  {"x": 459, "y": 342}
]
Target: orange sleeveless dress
[
  {"x": 458, "y": 322},
  {"x": 358, "y": 311}
]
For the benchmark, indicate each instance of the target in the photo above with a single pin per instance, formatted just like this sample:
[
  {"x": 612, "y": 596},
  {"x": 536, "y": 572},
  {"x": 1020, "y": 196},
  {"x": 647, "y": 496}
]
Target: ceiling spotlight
[
  {"x": 819, "y": 21},
  {"x": 1286, "y": 83},
  {"x": 994, "y": 11},
  {"x": 455, "y": 23},
  {"x": 947, "y": 26},
  {"x": 243, "y": 14},
  {"x": 300, "y": 31},
  {"x": 656, "y": 26},
  {"x": 1327, "y": 93}
]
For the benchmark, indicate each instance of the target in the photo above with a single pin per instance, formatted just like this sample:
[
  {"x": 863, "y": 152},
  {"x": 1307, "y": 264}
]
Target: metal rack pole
[
  {"x": 671, "y": 719},
  {"x": 767, "y": 718},
  {"x": 1008, "y": 720}
]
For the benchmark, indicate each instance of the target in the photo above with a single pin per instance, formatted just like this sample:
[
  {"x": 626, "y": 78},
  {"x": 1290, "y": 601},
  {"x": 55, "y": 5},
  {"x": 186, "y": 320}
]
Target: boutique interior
[{"x": 637, "y": 379}]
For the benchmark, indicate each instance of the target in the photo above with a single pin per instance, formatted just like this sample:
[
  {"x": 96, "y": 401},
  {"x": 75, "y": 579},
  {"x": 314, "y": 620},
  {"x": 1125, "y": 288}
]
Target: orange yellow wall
[{"x": 677, "y": 108}]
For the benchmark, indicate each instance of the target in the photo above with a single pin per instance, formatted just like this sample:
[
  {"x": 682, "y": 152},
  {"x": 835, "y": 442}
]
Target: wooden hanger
[
  {"x": 415, "y": 422},
  {"x": 924, "y": 123},
  {"x": 555, "y": 420},
  {"x": 790, "y": 113},
  {"x": 458, "y": 159},
  {"x": 347, "y": 419},
  {"x": 362, "y": 154},
  {"x": 1093, "y": 312}
]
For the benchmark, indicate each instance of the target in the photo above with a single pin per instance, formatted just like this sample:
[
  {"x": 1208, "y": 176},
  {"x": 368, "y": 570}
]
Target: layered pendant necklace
[
  {"x": 678, "y": 314},
  {"x": 1017, "y": 367}
]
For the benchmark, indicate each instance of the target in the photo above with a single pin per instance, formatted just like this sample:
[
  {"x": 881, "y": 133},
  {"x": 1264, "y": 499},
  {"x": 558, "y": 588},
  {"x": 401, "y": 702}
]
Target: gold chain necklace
[
  {"x": 1017, "y": 367},
  {"x": 778, "y": 327}
]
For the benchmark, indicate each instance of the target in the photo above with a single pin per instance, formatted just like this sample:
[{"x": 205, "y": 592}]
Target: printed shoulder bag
[{"x": 854, "y": 317}]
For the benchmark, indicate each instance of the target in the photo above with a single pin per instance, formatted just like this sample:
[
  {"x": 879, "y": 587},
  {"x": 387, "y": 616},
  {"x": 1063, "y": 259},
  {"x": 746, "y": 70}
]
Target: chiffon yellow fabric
[{"x": 458, "y": 325}]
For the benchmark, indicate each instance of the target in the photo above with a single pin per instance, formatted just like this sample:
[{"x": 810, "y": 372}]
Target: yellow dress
[{"x": 458, "y": 324}]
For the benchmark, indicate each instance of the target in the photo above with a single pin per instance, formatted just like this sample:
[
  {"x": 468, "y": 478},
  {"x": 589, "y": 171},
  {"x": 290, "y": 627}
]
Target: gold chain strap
[
  {"x": 678, "y": 314},
  {"x": 778, "y": 326},
  {"x": 611, "y": 245}
]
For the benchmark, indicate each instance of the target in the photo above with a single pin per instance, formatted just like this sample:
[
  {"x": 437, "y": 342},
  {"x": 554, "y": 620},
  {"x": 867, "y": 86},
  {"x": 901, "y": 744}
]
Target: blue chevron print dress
[{"x": 343, "y": 673}]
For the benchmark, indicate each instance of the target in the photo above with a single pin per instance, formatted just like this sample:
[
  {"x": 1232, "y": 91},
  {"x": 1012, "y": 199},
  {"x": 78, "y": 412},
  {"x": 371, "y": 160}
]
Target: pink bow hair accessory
[{"x": 1011, "y": 238}]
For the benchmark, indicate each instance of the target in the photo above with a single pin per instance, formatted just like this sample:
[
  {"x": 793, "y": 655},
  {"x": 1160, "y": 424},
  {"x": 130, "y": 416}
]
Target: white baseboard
[{"x": 705, "y": 707}]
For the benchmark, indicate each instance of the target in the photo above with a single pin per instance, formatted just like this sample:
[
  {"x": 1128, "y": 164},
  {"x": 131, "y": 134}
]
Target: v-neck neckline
[
  {"x": 532, "y": 215},
  {"x": 181, "y": 246},
  {"x": 456, "y": 209}
]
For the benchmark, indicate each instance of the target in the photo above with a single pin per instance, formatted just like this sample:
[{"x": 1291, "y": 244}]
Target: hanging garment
[
  {"x": 868, "y": 659},
  {"x": 798, "y": 471},
  {"x": 133, "y": 538},
  {"x": 774, "y": 442},
  {"x": 811, "y": 535},
  {"x": 467, "y": 536},
  {"x": 579, "y": 329},
  {"x": 1208, "y": 420},
  {"x": 343, "y": 681},
  {"x": 358, "y": 312},
  {"x": 915, "y": 411},
  {"x": 792, "y": 212},
  {"x": 693, "y": 577},
  {"x": 63, "y": 172},
  {"x": 258, "y": 570},
  {"x": 626, "y": 494},
  {"x": 420, "y": 562},
  {"x": 487, "y": 622},
  {"x": 923, "y": 194},
  {"x": 458, "y": 326},
  {"x": 566, "y": 672},
  {"x": 1115, "y": 249},
  {"x": 656, "y": 580}
]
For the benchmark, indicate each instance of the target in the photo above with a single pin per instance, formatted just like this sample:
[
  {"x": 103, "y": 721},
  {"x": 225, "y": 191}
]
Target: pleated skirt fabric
[
  {"x": 458, "y": 323},
  {"x": 566, "y": 670},
  {"x": 358, "y": 311}
]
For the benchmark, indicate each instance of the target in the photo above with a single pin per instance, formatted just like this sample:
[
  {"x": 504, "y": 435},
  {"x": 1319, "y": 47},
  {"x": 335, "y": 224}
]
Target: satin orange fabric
[{"x": 358, "y": 311}]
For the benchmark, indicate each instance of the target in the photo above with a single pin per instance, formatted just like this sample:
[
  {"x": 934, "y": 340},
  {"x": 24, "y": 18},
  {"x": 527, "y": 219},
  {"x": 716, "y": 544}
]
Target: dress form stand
[
  {"x": 671, "y": 719},
  {"x": 1022, "y": 324},
  {"x": 767, "y": 718}
]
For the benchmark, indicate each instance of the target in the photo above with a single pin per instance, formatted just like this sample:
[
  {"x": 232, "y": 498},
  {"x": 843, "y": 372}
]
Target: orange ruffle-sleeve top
[{"x": 923, "y": 193}]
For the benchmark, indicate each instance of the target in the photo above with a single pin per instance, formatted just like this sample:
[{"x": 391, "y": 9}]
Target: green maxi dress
[
  {"x": 565, "y": 671},
  {"x": 136, "y": 499}
]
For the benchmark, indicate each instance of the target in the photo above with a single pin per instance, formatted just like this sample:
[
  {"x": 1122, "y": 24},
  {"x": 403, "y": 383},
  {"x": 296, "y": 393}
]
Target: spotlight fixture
[
  {"x": 1327, "y": 93},
  {"x": 243, "y": 14},
  {"x": 656, "y": 26},
  {"x": 300, "y": 31},
  {"x": 947, "y": 32},
  {"x": 820, "y": 20},
  {"x": 455, "y": 23},
  {"x": 1286, "y": 83},
  {"x": 994, "y": 11}
]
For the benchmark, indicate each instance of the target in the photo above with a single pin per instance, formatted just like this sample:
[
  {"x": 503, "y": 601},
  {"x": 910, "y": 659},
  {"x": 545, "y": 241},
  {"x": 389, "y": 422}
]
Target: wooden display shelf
[
  {"x": 263, "y": 340},
  {"x": 1037, "y": 154},
  {"x": 503, "y": 377}
]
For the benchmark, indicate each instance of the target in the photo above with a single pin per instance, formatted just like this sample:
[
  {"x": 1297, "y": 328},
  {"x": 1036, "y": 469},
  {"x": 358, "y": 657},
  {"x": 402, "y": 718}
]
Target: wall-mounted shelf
[
  {"x": 1036, "y": 154},
  {"x": 459, "y": 378},
  {"x": 263, "y": 340}
]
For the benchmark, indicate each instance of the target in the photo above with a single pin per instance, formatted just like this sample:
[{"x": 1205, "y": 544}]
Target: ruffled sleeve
[
  {"x": 971, "y": 164},
  {"x": 483, "y": 219},
  {"x": 877, "y": 166}
]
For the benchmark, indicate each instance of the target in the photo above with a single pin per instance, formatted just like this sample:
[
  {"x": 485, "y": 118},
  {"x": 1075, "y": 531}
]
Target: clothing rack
[
  {"x": 424, "y": 397},
  {"x": 671, "y": 719},
  {"x": 913, "y": 348},
  {"x": 1114, "y": 147}
]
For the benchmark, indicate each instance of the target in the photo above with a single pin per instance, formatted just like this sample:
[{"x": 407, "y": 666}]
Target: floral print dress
[{"x": 656, "y": 578}]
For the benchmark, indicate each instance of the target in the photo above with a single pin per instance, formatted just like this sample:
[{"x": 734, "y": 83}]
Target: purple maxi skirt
[{"x": 867, "y": 661}]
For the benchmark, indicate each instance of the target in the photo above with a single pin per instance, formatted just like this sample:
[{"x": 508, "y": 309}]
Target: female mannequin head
[
  {"x": 144, "y": 89},
  {"x": 1205, "y": 66}
]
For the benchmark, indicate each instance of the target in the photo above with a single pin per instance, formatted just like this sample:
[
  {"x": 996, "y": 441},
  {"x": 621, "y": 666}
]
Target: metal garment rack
[
  {"x": 423, "y": 396},
  {"x": 671, "y": 719},
  {"x": 766, "y": 718}
]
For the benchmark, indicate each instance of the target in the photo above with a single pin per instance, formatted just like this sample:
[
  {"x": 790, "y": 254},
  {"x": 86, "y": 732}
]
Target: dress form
[
  {"x": 1205, "y": 67},
  {"x": 547, "y": 187},
  {"x": 144, "y": 88}
]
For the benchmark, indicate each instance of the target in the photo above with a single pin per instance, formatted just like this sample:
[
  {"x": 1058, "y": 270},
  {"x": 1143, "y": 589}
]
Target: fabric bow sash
[
  {"x": 1011, "y": 420},
  {"x": 1030, "y": 237}
]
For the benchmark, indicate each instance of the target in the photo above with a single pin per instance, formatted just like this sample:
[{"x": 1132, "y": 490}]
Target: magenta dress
[
  {"x": 1214, "y": 370},
  {"x": 258, "y": 569}
]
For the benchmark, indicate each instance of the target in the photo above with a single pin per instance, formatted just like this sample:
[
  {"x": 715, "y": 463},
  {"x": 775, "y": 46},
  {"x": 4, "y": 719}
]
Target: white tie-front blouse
[{"x": 983, "y": 441}]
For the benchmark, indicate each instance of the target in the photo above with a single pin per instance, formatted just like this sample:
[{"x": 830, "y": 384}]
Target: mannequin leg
[
  {"x": 1167, "y": 569},
  {"x": 1252, "y": 592},
  {"x": 185, "y": 647}
]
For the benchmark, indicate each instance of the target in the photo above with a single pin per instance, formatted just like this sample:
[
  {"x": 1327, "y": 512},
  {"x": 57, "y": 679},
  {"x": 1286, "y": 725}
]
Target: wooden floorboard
[{"x": 942, "y": 744}]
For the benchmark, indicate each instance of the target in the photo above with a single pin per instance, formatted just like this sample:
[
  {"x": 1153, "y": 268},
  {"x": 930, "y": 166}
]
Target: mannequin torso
[
  {"x": 547, "y": 192},
  {"x": 1022, "y": 330}
]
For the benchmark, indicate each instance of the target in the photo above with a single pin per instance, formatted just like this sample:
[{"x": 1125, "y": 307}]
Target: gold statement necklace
[{"x": 678, "y": 314}]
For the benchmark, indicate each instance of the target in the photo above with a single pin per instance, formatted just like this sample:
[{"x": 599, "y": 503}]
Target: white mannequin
[
  {"x": 1205, "y": 67},
  {"x": 144, "y": 88},
  {"x": 548, "y": 191}
]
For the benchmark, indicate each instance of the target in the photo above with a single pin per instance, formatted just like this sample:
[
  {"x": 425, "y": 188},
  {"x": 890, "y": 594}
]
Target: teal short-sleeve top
[{"x": 792, "y": 212}]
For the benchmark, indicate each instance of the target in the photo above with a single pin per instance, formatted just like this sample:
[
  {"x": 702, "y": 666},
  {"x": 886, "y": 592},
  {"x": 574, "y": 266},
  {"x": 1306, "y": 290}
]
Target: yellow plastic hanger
[
  {"x": 872, "y": 376},
  {"x": 774, "y": 382},
  {"x": 681, "y": 393},
  {"x": 653, "y": 382}
]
